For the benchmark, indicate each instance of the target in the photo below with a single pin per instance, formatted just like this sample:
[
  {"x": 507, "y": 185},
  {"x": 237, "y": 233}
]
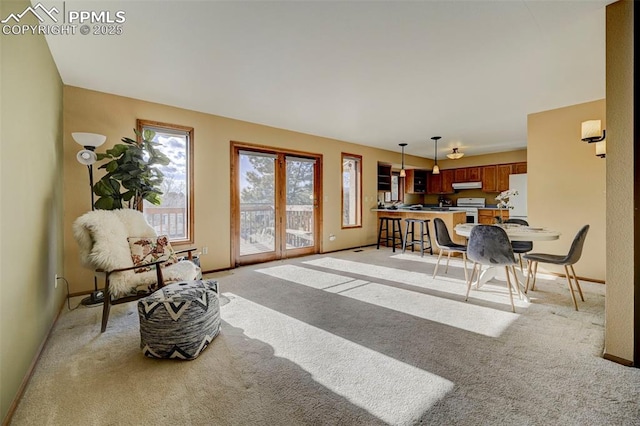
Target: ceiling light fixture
[
  {"x": 455, "y": 154},
  {"x": 591, "y": 133},
  {"x": 403, "y": 173},
  {"x": 436, "y": 169}
]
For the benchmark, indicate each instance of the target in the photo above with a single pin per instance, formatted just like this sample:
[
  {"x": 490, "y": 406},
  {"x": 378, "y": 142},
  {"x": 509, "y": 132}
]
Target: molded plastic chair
[
  {"x": 490, "y": 245},
  {"x": 444, "y": 243},
  {"x": 568, "y": 260},
  {"x": 520, "y": 247}
]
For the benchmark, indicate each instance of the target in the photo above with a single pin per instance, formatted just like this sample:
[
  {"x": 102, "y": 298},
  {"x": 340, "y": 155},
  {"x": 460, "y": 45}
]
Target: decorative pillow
[{"x": 150, "y": 249}]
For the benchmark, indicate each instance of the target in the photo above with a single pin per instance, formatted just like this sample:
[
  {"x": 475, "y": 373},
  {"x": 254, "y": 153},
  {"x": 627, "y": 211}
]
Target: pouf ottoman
[{"x": 180, "y": 319}]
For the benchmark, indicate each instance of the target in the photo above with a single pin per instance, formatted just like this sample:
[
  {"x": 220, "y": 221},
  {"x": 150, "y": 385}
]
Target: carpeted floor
[{"x": 351, "y": 338}]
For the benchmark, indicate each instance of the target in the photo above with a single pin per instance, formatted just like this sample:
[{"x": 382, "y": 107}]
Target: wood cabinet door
[
  {"x": 504, "y": 170},
  {"x": 519, "y": 168},
  {"x": 460, "y": 175},
  {"x": 489, "y": 178},
  {"x": 474, "y": 174},
  {"x": 446, "y": 185},
  {"x": 434, "y": 183}
]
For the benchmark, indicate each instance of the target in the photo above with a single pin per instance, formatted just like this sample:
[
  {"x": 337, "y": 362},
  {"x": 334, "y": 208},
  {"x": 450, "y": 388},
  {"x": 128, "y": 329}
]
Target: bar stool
[
  {"x": 424, "y": 232},
  {"x": 396, "y": 231}
]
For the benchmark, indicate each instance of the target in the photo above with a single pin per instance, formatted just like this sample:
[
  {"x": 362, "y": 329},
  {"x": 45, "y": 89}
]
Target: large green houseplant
[{"x": 132, "y": 175}]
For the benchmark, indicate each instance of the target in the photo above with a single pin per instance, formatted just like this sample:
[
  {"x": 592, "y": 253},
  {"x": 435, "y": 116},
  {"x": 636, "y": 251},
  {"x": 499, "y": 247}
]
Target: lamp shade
[
  {"x": 455, "y": 154},
  {"x": 601, "y": 149},
  {"x": 86, "y": 157},
  {"x": 88, "y": 139},
  {"x": 591, "y": 129},
  {"x": 436, "y": 170}
]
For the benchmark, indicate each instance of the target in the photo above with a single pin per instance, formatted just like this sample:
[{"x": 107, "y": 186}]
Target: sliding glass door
[{"x": 275, "y": 205}]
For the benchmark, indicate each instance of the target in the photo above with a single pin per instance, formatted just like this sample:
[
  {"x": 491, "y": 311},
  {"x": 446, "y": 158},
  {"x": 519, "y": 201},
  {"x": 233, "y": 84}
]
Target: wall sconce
[
  {"x": 591, "y": 133},
  {"x": 455, "y": 154},
  {"x": 403, "y": 173},
  {"x": 436, "y": 169}
]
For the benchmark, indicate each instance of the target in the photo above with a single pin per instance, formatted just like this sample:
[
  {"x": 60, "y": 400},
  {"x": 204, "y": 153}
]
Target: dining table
[{"x": 515, "y": 232}]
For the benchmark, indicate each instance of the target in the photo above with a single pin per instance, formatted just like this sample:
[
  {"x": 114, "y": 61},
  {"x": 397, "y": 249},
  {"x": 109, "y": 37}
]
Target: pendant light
[
  {"x": 436, "y": 169},
  {"x": 402, "y": 171},
  {"x": 455, "y": 154}
]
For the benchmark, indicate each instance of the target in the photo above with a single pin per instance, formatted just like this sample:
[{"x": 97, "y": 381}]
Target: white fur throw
[{"x": 102, "y": 237}]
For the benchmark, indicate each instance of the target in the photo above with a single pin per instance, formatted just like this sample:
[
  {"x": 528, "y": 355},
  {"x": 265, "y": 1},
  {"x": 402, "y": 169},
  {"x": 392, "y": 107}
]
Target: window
[
  {"x": 351, "y": 190},
  {"x": 174, "y": 216}
]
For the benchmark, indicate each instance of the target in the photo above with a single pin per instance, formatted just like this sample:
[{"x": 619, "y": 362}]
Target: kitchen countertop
[{"x": 423, "y": 210}]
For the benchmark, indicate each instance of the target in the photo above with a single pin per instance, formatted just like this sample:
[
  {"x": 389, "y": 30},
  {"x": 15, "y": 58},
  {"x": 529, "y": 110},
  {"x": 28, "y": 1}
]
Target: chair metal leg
[
  {"x": 513, "y": 307},
  {"x": 404, "y": 242},
  {"x": 380, "y": 233},
  {"x": 435, "y": 271},
  {"x": 106, "y": 304},
  {"x": 575, "y": 277},
  {"x": 573, "y": 296}
]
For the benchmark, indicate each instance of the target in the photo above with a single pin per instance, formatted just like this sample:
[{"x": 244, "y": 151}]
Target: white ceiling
[{"x": 373, "y": 73}]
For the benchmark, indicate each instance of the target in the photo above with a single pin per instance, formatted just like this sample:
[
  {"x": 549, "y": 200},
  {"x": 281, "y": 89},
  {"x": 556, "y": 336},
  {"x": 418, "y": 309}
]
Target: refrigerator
[{"x": 519, "y": 202}]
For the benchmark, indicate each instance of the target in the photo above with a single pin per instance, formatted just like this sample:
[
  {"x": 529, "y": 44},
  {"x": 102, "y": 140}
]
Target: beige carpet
[{"x": 351, "y": 338}]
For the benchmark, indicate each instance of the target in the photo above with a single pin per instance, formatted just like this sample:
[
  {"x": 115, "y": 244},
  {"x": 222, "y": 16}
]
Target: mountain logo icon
[{"x": 38, "y": 11}]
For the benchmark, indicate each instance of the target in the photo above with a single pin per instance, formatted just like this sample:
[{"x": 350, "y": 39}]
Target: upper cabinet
[
  {"x": 384, "y": 177},
  {"x": 494, "y": 178},
  {"x": 441, "y": 183},
  {"x": 416, "y": 181},
  {"x": 490, "y": 178},
  {"x": 519, "y": 168}
]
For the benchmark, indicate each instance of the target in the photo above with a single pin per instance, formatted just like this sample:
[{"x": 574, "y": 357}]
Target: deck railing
[{"x": 169, "y": 221}]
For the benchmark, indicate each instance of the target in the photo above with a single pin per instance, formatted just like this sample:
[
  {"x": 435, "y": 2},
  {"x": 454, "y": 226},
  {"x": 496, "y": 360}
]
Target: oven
[
  {"x": 470, "y": 206},
  {"x": 472, "y": 213}
]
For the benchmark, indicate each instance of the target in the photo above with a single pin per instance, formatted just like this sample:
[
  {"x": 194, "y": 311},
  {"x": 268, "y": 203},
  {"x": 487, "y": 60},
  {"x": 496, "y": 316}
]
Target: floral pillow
[{"x": 151, "y": 249}]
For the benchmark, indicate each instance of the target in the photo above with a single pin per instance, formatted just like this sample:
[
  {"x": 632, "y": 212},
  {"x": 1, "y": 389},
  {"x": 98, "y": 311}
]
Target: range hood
[{"x": 467, "y": 185}]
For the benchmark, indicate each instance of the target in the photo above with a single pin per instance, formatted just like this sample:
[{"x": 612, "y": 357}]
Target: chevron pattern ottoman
[{"x": 179, "y": 320}]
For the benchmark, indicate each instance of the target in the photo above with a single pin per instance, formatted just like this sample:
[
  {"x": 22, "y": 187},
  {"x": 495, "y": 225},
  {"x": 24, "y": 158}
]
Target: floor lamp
[{"x": 87, "y": 156}]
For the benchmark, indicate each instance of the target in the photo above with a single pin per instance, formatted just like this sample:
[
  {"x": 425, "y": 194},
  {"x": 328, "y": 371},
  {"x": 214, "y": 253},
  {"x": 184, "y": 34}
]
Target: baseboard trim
[
  {"x": 618, "y": 360},
  {"x": 27, "y": 377}
]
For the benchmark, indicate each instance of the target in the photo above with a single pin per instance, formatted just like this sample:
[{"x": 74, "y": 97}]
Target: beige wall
[
  {"x": 566, "y": 184},
  {"x": 620, "y": 177},
  {"x": 115, "y": 116},
  {"x": 31, "y": 218}
]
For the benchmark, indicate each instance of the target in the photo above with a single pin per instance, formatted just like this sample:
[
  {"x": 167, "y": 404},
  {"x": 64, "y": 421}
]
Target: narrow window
[
  {"x": 174, "y": 216},
  {"x": 351, "y": 190}
]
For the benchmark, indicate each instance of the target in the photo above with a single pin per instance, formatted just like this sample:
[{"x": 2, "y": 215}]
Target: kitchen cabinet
[
  {"x": 434, "y": 182},
  {"x": 446, "y": 181},
  {"x": 441, "y": 183},
  {"x": 416, "y": 181},
  {"x": 519, "y": 168},
  {"x": 460, "y": 175},
  {"x": 490, "y": 178},
  {"x": 474, "y": 174},
  {"x": 384, "y": 177},
  {"x": 503, "y": 172},
  {"x": 488, "y": 216}
]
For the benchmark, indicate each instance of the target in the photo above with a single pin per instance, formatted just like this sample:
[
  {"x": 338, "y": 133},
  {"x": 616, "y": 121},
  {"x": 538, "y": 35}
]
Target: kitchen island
[{"x": 451, "y": 218}]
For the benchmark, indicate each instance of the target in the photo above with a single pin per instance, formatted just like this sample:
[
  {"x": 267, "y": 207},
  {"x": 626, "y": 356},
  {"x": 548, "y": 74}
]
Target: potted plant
[{"x": 131, "y": 173}]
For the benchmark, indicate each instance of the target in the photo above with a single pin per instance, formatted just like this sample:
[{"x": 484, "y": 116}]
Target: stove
[{"x": 471, "y": 206}]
